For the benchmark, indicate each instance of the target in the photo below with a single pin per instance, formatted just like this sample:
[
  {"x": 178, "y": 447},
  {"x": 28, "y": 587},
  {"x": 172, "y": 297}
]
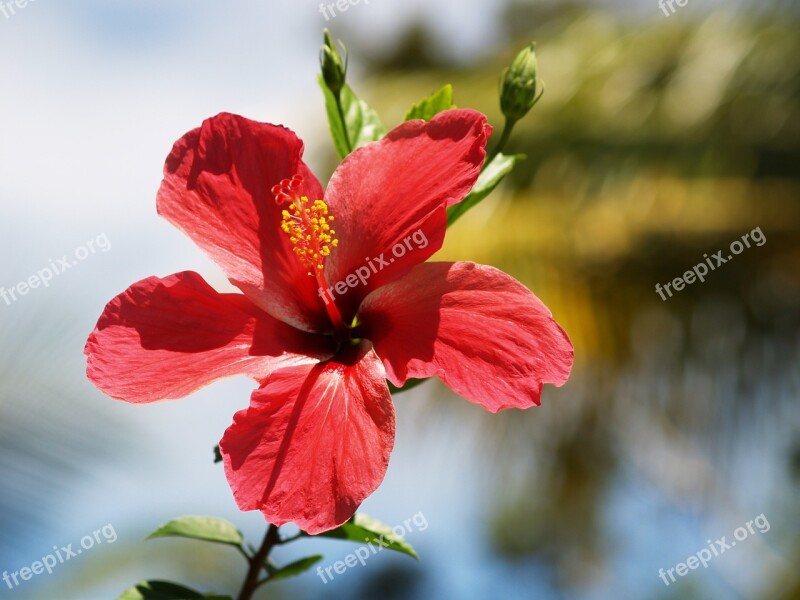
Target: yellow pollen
[{"x": 308, "y": 227}]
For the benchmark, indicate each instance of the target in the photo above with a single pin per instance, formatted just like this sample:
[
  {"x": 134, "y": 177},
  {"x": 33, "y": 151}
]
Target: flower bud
[
  {"x": 334, "y": 70},
  {"x": 518, "y": 85}
]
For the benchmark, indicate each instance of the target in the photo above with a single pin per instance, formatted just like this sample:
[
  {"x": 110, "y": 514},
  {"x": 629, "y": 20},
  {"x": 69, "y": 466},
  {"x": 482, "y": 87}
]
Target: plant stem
[
  {"x": 344, "y": 123},
  {"x": 257, "y": 563},
  {"x": 507, "y": 129}
]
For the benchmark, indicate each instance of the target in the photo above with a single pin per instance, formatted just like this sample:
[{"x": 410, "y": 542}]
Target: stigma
[{"x": 307, "y": 223}]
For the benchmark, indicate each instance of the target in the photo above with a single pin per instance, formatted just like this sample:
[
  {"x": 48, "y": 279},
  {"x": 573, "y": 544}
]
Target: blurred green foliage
[{"x": 657, "y": 141}]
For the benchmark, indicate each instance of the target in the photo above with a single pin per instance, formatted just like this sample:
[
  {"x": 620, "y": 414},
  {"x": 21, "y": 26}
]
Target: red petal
[
  {"x": 217, "y": 189},
  {"x": 314, "y": 443},
  {"x": 479, "y": 330},
  {"x": 166, "y": 338},
  {"x": 385, "y": 192}
]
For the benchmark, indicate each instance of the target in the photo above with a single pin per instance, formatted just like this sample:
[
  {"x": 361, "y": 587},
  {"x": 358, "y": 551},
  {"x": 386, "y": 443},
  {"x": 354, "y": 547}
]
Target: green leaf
[
  {"x": 361, "y": 528},
  {"x": 208, "y": 529},
  {"x": 492, "y": 174},
  {"x": 295, "y": 568},
  {"x": 217, "y": 455},
  {"x": 361, "y": 124},
  {"x": 164, "y": 590},
  {"x": 429, "y": 107}
]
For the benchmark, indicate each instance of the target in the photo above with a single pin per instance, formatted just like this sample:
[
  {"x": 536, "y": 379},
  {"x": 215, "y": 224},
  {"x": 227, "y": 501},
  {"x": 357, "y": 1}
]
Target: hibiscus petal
[
  {"x": 166, "y": 338},
  {"x": 217, "y": 189},
  {"x": 389, "y": 198},
  {"x": 314, "y": 443},
  {"x": 479, "y": 330}
]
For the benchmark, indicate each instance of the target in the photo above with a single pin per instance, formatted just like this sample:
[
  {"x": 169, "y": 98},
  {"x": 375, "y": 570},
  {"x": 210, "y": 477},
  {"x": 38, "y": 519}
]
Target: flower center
[{"x": 307, "y": 224}]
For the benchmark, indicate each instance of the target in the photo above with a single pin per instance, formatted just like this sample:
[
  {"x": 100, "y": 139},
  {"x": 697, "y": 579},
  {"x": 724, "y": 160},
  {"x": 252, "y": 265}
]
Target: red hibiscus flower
[{"x": 336, "y": 298}]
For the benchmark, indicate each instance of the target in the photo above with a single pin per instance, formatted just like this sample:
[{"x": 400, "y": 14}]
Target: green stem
[
  {"x": 257, "y": 563},
  {"x": 292, "y": 538},
  {"x": 507, "y": 129},
  {"x": 344, "y": 123}
]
